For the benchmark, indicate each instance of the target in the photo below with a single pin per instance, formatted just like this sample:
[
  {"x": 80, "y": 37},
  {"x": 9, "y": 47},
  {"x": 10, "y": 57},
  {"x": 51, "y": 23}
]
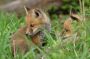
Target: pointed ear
[
  {"x": 26, "y": 10},
  {"x": 37, "y": 12}
]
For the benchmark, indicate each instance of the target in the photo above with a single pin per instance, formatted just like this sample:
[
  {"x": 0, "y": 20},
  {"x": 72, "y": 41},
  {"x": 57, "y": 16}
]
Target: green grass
[{"x": 56, "y": 47}]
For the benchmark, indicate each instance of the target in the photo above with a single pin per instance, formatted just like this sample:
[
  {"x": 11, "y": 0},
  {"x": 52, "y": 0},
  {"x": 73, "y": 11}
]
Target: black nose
[{"x": 26, "y": 34}]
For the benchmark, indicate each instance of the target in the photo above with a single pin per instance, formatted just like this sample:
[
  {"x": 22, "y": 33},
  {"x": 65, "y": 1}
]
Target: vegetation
[{"x": 75, "y": 47}]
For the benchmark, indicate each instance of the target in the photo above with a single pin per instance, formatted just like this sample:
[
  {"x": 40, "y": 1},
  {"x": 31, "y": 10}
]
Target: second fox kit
[
  {"x": 67, "y": 28},
  {"x": 36, "y": 22}
]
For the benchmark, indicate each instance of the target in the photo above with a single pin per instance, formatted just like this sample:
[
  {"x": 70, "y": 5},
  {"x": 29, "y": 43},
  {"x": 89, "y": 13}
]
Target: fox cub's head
[{"x": 34, "y": 21}]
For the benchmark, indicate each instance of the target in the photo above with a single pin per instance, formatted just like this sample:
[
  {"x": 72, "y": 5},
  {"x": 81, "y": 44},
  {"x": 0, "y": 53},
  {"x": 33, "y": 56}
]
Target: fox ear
[
  {"x": 26, "y": 9},
  {"x": 37, "y": 13}
]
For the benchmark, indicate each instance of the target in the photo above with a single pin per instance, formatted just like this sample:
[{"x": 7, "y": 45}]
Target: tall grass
[{"x": 56, "y": 48}]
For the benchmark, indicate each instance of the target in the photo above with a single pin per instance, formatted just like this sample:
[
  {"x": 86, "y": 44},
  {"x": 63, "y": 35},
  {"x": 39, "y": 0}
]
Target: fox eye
[{"x": 31, "y": 25}]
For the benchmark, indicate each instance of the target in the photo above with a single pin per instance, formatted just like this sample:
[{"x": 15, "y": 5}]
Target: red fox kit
[
  {"x": 36, "y": 22},
  {"x": 67, "y": 28}
]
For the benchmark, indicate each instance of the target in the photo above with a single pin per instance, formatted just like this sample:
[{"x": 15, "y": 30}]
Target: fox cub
[
  {"x": 67, "y": 26},
  {"x": 36, "y": 22}
]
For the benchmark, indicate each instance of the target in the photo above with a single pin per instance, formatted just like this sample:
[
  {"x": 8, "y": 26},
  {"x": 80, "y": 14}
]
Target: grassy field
[{"x": 56, "y": 47}]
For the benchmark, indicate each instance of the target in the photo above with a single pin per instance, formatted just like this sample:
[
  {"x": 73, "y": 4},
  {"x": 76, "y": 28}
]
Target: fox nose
[{"x": 26, "y": 34}]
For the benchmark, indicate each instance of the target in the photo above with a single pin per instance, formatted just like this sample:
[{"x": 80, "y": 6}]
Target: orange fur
[
  {"x": 18, "y": 41},
  {"x": 67, "y": 29},
  {"x": 36, "y": 20}
]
